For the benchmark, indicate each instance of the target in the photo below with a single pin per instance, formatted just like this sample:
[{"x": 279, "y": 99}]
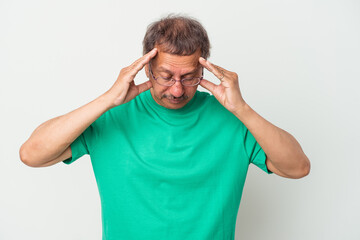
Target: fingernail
[{"x": 202, "y": 58}]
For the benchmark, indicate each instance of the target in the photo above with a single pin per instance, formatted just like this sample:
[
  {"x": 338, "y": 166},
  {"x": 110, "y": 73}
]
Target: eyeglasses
[{"x": 170, "y": 81}]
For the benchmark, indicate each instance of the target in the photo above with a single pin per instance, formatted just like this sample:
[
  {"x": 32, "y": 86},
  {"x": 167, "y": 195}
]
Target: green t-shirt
[{"x": 169, "y": 174}]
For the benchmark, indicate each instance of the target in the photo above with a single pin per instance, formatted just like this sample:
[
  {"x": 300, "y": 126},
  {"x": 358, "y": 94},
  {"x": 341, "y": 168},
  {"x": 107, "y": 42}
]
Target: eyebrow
[{"x": 161, "y": 69}]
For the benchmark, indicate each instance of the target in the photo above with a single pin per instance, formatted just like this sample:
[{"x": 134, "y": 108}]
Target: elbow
[
  {"x": 25, "y": 156},
  {"x": 304, "y": 168},
  {"x": 307, "y": 168}
]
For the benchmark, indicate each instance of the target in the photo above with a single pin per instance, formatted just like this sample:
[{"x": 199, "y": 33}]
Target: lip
[{"x": 176, "y": 100}]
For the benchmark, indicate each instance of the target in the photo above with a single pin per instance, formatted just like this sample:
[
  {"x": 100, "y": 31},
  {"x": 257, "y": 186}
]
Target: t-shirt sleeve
[
  {"x": 85, "y": 143},
  {"x": 78, "y": 148},
  {"x": 254, "y": 151}
]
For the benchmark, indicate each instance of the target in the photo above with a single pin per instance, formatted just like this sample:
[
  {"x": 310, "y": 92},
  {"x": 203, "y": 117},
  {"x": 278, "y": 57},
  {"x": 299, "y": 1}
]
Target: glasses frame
[{"x": 172, "y": 81}]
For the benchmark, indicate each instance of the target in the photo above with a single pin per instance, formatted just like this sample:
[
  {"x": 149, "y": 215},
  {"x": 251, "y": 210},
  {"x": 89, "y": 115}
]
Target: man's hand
[
  {"x": 124, "y": 89},
  {"x": 228, "y": 91},
  {"x": 284, "y": 154}
]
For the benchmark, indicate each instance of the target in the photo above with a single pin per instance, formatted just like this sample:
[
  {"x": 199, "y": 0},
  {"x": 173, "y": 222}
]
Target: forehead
[{"x": 176, "y": 63}]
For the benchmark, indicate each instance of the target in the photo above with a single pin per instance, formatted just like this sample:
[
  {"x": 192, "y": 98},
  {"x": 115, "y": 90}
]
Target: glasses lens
[
  {"x": 165, "y": 81},
  {"x": 190, "y": 81},
  {"x": 185, "y": 82}
]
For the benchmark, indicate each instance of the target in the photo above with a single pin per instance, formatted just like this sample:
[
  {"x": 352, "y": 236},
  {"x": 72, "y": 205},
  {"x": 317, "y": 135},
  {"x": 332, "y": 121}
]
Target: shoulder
[
  {"x": 207, "y": 98},
  {"x": 213, "y": 107},
  {"x": 217, "y": 115},
  {"x": 211, "y": 102}
]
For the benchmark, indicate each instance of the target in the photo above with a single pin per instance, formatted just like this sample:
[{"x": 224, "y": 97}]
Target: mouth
[{"x": 175, "y": 100}]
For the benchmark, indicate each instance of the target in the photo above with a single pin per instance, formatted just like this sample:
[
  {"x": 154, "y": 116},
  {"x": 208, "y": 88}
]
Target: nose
[{"x": 177, "y": 90}]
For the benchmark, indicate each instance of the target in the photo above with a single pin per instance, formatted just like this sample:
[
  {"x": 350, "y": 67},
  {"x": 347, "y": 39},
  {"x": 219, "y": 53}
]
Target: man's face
[{"x": 176, "y": 67}]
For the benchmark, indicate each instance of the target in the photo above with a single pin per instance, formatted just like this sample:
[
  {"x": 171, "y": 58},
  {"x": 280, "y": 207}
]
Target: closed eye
[{"x": 167, "y": 78}]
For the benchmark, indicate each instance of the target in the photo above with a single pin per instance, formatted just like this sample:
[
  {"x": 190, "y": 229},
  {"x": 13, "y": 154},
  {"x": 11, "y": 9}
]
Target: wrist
[
  {"x": 106, "y": 100},
  {"x": 242, "y": 110}
]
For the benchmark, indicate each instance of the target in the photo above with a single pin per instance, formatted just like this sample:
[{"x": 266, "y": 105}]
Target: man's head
[{"x": 180, "y": 42}]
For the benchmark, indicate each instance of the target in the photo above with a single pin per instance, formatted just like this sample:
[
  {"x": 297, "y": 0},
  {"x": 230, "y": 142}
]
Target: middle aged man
[{"x": 170, "y": 162}]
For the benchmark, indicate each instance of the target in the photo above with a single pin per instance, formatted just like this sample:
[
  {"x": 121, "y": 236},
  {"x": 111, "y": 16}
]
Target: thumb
[
  {"x": 208, "y": 85},
  {"x": 144, "y": 86}
]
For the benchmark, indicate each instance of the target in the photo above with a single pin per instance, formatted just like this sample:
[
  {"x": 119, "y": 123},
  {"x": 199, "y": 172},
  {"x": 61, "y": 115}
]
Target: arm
[
  {"x": 284, "y": 154},
  {"x": 52, "y": 138},
  {"x": 50, "y": 142}
]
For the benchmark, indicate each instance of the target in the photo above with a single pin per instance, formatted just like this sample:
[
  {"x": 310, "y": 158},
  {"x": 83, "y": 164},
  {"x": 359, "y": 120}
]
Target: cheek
[
  {"x": 191, "y": 91},
  {"x": 158, "y": 90}
]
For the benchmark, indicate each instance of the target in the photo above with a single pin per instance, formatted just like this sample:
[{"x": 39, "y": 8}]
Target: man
[{"x": 170, "y": 161}]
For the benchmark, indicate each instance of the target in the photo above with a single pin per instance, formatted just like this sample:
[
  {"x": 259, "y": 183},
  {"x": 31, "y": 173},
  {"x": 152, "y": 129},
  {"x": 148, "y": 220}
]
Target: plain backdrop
[{"x": 298, "y": 64}]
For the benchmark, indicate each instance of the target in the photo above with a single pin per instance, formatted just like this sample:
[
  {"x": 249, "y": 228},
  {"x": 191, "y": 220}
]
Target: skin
[
  {"x": 177, "y": 67},
  {"x": 50, "y": 142},
  {"x": 285, "y": 156}
]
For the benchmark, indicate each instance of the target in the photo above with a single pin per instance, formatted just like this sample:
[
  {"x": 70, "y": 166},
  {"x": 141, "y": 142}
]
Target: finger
[
  {"x": 208, "y": 85},
  {"x": 141, "y": 62},
  {"x": 218, "y": 67},
  {"x": 146, "y": 57},
  {"x": 216, "y": 70},
  {"x": 144, "y": 86}
]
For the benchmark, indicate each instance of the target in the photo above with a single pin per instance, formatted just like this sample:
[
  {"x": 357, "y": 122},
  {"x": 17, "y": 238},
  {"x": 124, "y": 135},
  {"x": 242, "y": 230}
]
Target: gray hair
[{"x": 179, "y": 35}]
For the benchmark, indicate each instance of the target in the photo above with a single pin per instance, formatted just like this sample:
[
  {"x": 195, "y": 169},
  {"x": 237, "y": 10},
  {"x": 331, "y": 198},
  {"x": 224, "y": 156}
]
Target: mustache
[{"x": 183, "y": 97}]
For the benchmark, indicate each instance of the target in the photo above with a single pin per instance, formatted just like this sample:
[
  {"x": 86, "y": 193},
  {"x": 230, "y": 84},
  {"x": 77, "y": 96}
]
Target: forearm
[
  {"x": 281, "y": 148},
  {"x": 51, "y": 138}
]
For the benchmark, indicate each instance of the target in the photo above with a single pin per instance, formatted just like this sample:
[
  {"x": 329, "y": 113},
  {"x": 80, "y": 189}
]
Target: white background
[{"x": 298, "y": 63}]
